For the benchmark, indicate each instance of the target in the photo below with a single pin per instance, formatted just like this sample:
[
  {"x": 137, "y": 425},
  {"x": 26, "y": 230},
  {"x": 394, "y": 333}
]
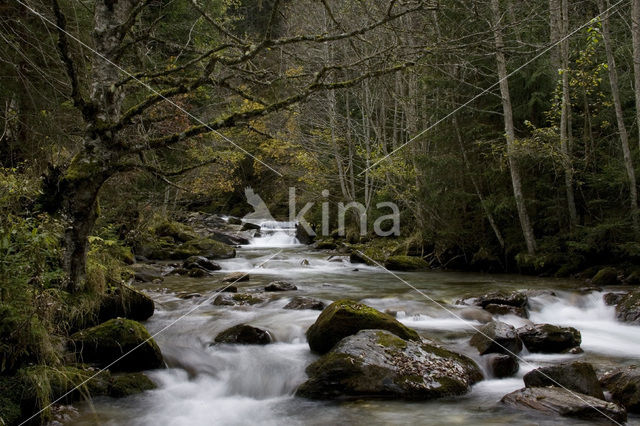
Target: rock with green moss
[
  {"x": 379, "y": 364},
  {"x": 628, "y": 308},
  {"x": 326, "y": 244},
  {"x": 127, "y": 302},
  {"x": 344, "y": 318},
  {"x": 177, "y": 231},
  {"x": 238, "y": 299},
  {"x": 108, "y": 342},
  {"x": 209, "y": 248},
  {"x": 129, "y": 384},
  {"x": 605, "y": 276},
  {"x": 406, "y": 263}
]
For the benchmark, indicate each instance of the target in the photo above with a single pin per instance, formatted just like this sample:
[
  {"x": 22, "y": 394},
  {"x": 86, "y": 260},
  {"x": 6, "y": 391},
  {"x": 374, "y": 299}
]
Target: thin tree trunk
[
  {"x": 635, "y": 32},
  {"x": 516, "y": 180},
  {"x": 622, "y": 130}
]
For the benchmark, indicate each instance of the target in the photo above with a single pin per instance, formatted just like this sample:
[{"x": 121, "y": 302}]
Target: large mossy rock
[
  {"x": 244, "y": 334},
  {"x": 406, "y": 263},
  {"x": 107, "y": 342},
  {"x": 547, "y": 338},
  {"x": 379, "y": 364},
  {"x": 126, "y": 302},
  {"x": 628, "y": 308},
  {"x": 605, "y": 276},
  {"x": 624, "y": 387},
  {"x": 123, "y": 385},
  {"x": 344, "y": 318},
  {"x": 175, "y": 230},
  {"x": 577, "y": 376},
  {"x": 209, "y": 248},
  {"x": 561, "y": 402},
  {"x": 496, "y": 338}
]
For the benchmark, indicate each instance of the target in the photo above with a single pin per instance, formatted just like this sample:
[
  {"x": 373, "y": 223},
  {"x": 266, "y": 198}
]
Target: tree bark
[
  {"x": 635, "y": 32},
  {"x": 622, "y": 130},
  {"x": 516, "y": 179}
]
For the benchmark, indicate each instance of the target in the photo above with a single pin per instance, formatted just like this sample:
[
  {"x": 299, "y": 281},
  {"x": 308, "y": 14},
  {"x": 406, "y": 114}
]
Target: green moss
[
  {"x": 390, "y": 341},
  {"x": 130, "y": 384},
  {"x": 344, "y": 318},
  {"x": 82, "y": 168},
  {"x": 178, "y": 231},
  {"x": 605, "y": 276},
  {"x": 405, "y": 263},
  {"x": 209, "y": 248},
  {"x": 10, "y": 391},
  {"x": 246, "y": 299},
  {"x": 326, "y": 244}
]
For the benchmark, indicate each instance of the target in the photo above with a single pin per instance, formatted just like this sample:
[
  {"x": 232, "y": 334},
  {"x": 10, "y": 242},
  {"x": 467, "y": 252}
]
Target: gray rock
[
  {"x": 200, "y": 262},
  {"x": 547, "y": 338},
  {"x": 379, "y": 364},
  {"x": 561, "y": 402},
  {"x": 496, "y": 337},
  {"x": 227, "y": 237},
  {"x": 497, "y": 309},
  {"x": 301, "y": 302},
  {"x": 247, "y": 226},
  {"x": 501, "y": 365},
  {"x": 475, "y": 314},
  {"x": 612, "y": 299},
  {"x": 235, "y": 277},
  {"x": 237, "y": 299},
  {"x": 624, "y": 387},
  {"x": 244, "y": 334},
  {"x": 577, "y": 376},
  {"x": 280, "y": 286},
  {"x": 147, "y": 273},
  {"x": 628, "y": 308}
]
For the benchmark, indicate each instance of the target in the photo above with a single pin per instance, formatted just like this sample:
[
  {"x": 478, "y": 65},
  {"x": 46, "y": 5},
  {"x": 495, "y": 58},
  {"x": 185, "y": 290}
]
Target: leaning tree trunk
[
  {"x": 93, "y": 164},
  {"x": 516, "y": 180},
  {"x": 622, "y": 130}
]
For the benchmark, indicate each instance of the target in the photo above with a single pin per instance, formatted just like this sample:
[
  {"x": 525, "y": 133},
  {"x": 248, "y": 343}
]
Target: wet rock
[
  {"x": 624, "y": 387},
  {"x": 605, "y": 276},
  {"x": 379, "y": 364},
  {"x": 228, "y": 289},
  {"x": 109, "y": 341},
  {"x": 514, "y": 298},
  {"x": 248, "y": 226},
  {"x": 124, "y": 301},
  {"x": 147, "y": 273},
  {"x": 303, "y": 236},
  {"x": 177, "y": 231},
  {"x": 561, "y": 402},
  {"x": 628, "y": 308},
  {"x": 327, "y": 244},
  {"x": 497, "y": 309},
  {"x": 496, "y": 337},
  {"x": 547, "y": 338},
  {"x": 280, "y": 286},
  {"x": 227, "y": 237},
  {"x": 344, "y": 318},
  {"x": 501, "y": 365},
  {"x": 244, "y": 334},
  {"x": 124, "y": 385},
  {"x": 633, "y": 278},
  {"x": 235, "y": 277},
  {"x": 208, "y": 248},
  {"x": 301, "y": 302},
  {"x": 406, "y": 263},
  {"x": 187, "y": 296},
  {"x": 239, "y": 299},
  {"x": 577, "y": 376},
  {"x": 475, "y": 314},
  {"x": 234, "y": 220},
  {"x": 356, "y": 257},
  {"x": 197, "y": 273},
  {"x": 612, "y": 299},
  {"x": 200, "y": 262}
]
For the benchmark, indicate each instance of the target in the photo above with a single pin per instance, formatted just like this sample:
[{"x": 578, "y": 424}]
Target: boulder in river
[
  {"x": 612, "y": 299},
  {"x": 105, "y": 343},
  {"x": 496, "y": 337},
  {"x": 209, "y": 248},
  {"x": 238, "y": 299},
  {"x": 280, "y": 286},
  {"x": 475, "y": 314},
  {"x": 235, "y": 277},
  {"x": 624, "y": 386},
  {"x": 501, "y": 303},
  {"x": 406, "y": 263},
  {"x": 147, "y": 273},
  {"x": 301, "y": 302},
  {"x": 356, "y": 257},
  {"x": 501, "y": 365},
  {"x": 605, "y": 276},
  {"x": 248, "y": 226},
  {"x": 229, "y": 238},
  {"x": 547, "y": 338},
  {"x": 561, "y": 402},
  {"x": 124, "y": 301},
  {"x": 346, "y": 317},
  {"x": 379, "y": 364},
  {"x": 200, "y": 262},
  {"x": 628, "y": 308},
  {"x": 496, "y": 309},
  {"x": 244, "y": 334},
  {"x": 576, "y": 376},
  {"x": 303, "y": 236}
]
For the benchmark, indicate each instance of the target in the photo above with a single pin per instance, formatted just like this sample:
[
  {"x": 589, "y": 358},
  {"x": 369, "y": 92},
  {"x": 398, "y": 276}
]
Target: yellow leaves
[{"x": 294, "y": 72}]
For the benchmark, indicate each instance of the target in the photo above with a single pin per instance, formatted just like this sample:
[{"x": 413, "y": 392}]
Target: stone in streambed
[
  {"x": 123, "y": 385},
  {"x": 612, "y": 299},
  {"x": 577, "y": 376},
  {"x": 547, "y": 338},
  {"x": 605, "y": 276},
  {"x": 624, "y": 387},
  {"x": 301, "y": 302},
  {"x": 109, "y": 341},
  {"x": 239, "y": 299},
  {"x": 561, "y": 402},
  {"x": 406, "y": 263},
  {"x": 200, "y": 262},
  {"x": 244, "y": 334},
  {"x": 344, "y": 318},
  {"x": 628, "y": 308},
  {"x": 496, "y": 337},
  {"x": 124, "y": 301},
  {"x": 280, "y": 286},
  {"x": 475, "y": 314},
  {"x": 379, "y": 364},
  {"x": 235, "y": 277},
  {"x": 501, "y": 365},
  {"x": 248, "y": 226},
  {"x": 497, "y": 309}
]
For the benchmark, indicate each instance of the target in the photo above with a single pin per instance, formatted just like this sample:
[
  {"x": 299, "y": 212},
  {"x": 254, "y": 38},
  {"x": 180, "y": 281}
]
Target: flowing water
[{"x": 242, "y": 384}]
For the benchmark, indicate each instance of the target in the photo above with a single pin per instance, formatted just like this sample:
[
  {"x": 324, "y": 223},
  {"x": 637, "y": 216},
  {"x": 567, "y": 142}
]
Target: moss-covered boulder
[
  {"x": 605, "y": 276},
  {"x": 406, "y": 263},
  {"x": 237, "y": 299},
  {"x": 107, "y": 342},
  {"x": 177, "y": 231},
  {"x": 129, "y": 384},
  {"x": 209, "y": 248},
  {"x": 379, "y": 364},
  {"x": 628, "y": 308},
  {"x": 344, "y": 318},
  {"x": 126, "y": 302}
]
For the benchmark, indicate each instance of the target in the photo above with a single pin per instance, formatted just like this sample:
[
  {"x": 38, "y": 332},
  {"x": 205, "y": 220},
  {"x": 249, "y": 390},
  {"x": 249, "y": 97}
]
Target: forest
[{"x": 173, "y": 183}]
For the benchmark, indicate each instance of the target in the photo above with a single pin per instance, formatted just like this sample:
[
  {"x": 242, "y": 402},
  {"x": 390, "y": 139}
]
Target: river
[{"x": 242, "y": 384}]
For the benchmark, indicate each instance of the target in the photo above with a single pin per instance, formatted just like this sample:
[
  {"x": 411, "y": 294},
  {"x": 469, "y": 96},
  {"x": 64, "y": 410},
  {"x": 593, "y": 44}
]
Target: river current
[{"x": 250, "y": 384}]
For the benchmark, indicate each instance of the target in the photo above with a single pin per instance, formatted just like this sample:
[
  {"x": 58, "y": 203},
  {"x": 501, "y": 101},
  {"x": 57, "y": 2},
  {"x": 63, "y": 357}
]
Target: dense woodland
[{"x": 508, "y": 132}]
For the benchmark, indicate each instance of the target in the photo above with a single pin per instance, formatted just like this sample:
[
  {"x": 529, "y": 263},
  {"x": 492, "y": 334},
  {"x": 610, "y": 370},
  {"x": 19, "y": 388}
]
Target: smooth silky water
[{"x": 242, "y": 384}]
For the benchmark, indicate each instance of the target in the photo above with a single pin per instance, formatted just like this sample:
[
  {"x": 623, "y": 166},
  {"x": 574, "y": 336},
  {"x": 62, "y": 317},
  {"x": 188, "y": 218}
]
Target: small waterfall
[{"x": 275, "y": 234}]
